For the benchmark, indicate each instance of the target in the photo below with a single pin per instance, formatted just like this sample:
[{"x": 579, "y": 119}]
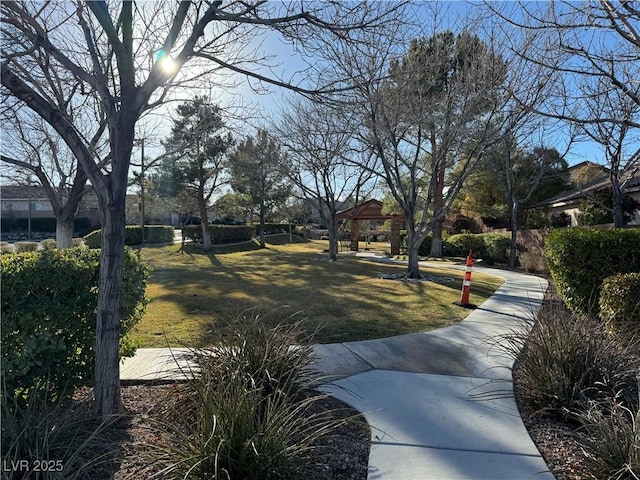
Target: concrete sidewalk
[{"x": 440, "y": 404}]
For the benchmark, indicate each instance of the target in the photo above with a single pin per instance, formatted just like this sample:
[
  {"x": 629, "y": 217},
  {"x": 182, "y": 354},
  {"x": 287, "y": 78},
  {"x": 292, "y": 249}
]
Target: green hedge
[
  {"x": 424, "y": 250},
  {"x": 580, "y": 259},
  {"x": 220, "y": 234},
  {"x": 133, "y": 235},
  {"x": 271, "y": 228},
  {"x": 49, "y": 302},
  {"x": 620, "y": 303},
  {"x": 158, "y": 233},
  {"x": 490, "y": 247}
]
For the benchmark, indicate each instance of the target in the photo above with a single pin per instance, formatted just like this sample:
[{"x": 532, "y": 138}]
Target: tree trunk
[
  {"x": 617, "y": 204},
  {"x": 112, "y": 195},
  {"x": 438, "y": 204},
  {"x": 332, "y": 230},
  {"x": 107, "y": 368},
  {"x": 263, "y": 244},
  {"x": 204, "y": 224},
  {"x": 413, "y": 245},
  {"x": 511, "y": 262},
  {"x": 64, "y": 231},
  {"x": 436, "y": 242}
]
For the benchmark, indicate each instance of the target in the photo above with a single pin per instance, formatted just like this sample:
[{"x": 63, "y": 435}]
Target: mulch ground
[{"x": 341, "y": 455}]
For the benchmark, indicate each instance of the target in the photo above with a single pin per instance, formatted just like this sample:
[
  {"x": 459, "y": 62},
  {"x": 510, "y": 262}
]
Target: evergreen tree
[
  {"x": 198, "y": 134},
  {"x": 256, "y": 166}
]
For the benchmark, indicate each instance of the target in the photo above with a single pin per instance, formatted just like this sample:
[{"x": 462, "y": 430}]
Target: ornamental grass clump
[
  {"x": 569, "y": 360},
  {"x": 43, "y": 441},
  {"x": 244, "y": 413},
  {"x": 610, "y": 435}
]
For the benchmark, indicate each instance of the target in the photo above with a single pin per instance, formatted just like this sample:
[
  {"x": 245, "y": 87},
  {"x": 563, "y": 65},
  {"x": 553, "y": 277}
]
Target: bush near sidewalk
[
  {"x": 49, "y": 301},
  {"x": 220, "y": 234},
  {"x": 490, "y": 247},
  {"x": 620, "y": 305},
  {"x": 153, "y": 234},
  {"x": 580, "y": 259},
  {"x": 575, "y": 376},
  {"x": 245, "y": 412},
  {"x": 59, "y": 441},
  {"x": 568, "y": 360}
]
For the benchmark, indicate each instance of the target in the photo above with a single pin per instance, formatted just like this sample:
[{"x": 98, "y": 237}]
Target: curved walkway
[{"x": 440, "y": 404}]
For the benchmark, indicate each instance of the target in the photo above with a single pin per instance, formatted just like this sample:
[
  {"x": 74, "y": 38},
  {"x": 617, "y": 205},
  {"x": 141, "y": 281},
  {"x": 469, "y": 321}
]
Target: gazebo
[{"x": 372, "y": 210}]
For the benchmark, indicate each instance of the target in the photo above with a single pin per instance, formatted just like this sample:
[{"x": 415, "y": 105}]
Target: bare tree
[
  {"x": 592, "y": 49},
  {"x": 518, "y": 174},
  {"x": 33, "y": 148},
  {"x": 428, "y": 113},
  {"x": 128, "y": 55},
  {"x": 620, "y": 140},
  {"x": 323, "y": 163}
]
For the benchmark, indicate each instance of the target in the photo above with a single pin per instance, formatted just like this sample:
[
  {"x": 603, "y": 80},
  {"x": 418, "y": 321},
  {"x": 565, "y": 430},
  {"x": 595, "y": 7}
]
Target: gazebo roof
[{"x": 369, "y": 210}]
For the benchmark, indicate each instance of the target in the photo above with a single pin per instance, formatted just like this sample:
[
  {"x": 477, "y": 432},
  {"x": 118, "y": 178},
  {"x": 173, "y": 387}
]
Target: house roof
[
  {"x": 587, "y": 163},
  {"x": 369, "y": 210},
  {"x": 631, "y": 184}
]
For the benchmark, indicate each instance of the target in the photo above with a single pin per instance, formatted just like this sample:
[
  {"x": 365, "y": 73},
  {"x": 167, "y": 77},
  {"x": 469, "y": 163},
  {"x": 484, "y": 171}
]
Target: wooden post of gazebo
[
  {"x": 372, "y": 210},
  {"x": 355, "y": 234}
]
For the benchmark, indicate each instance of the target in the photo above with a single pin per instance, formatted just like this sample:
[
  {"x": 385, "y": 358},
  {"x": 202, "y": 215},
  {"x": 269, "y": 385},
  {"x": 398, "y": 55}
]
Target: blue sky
[{"x": 289, "y": 64}]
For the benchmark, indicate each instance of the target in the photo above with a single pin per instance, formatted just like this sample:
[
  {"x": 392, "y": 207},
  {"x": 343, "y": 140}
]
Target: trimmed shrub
[
  {"x": 620, "y": 304},
  {"x": 49, "y": 301},
  {"x": 26, "y": 246},
  {"x": 93, "y": 239},
  {"x": 6, "y": 247},
  {"x": 460, "y": 244},
  {"x": 133, "y": 235},
  {"x": 490, "y": 247},
  {"x": 533, "y": 262},
  {"x": 220, "y": 234},
  {"x": 425, "y": 247},
  {"x": 580, "y": 259},
  {"x": 158, "y": 233},
  {"x": 78, "y": 242},
  {"x": 231, "y": 233},
  {"x": 271, "y": 228},
  {"x": 496, "y": 246}
]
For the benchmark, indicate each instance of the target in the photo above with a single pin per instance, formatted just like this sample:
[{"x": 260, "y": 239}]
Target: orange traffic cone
[{"x": 466, "y": 284}]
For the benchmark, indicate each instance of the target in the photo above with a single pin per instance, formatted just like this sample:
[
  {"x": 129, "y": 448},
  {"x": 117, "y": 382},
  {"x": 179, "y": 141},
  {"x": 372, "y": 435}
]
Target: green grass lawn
[{"x": 194, "y": 295}]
